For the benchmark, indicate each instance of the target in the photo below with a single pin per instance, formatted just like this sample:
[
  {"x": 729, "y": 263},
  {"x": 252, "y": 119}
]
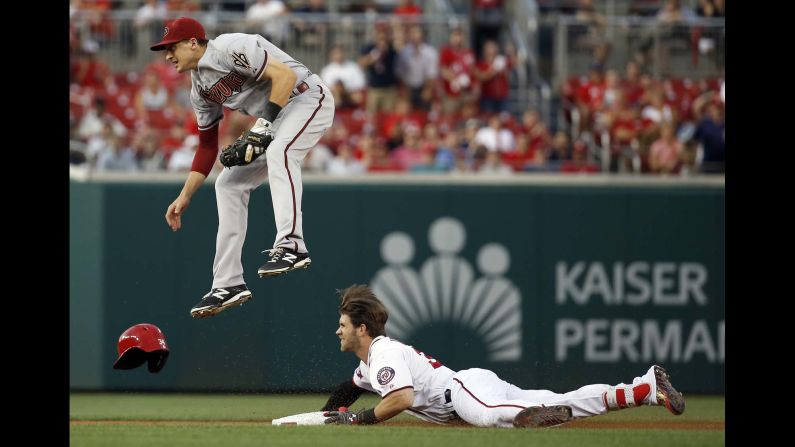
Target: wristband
[
  {"x": 367, "y": 417},
  {"x": 271, "y": 111}
]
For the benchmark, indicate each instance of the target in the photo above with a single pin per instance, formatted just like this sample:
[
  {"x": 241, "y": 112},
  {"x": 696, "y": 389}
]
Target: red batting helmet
[{"x": 140, "y": 343}]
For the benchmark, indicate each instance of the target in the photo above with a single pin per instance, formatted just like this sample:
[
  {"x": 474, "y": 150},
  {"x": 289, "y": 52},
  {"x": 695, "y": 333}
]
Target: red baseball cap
[{"x": 178, "y": 30}]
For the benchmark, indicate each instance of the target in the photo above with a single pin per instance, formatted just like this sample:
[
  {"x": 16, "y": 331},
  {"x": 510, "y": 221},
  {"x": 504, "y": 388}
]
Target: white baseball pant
[{"x": 484, "y": 400}]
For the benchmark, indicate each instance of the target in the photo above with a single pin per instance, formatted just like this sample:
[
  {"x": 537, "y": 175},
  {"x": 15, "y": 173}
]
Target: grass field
[{"x": 135, "y": 419}]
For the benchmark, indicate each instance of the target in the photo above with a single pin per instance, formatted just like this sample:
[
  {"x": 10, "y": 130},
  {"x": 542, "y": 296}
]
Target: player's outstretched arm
[
  {"x": 180, "y": 204},
  {"x": 392, "y": 405},
  {"x": 344, "y": 396}
]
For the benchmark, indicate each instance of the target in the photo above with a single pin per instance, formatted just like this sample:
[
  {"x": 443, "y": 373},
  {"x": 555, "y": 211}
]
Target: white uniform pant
[
  {"x": 482, "y": 399},
  {"x": 297, "y": 129}
]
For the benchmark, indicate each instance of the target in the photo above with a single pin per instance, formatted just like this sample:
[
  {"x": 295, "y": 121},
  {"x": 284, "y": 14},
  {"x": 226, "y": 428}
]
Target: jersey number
[{"x": 435, "y": 363}]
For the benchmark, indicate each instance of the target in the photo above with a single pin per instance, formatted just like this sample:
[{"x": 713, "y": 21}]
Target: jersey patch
[
  {"x": 241, "y": 60},
  {"x": 385, "y": 375},
  {"x": 224, "y": 88}
]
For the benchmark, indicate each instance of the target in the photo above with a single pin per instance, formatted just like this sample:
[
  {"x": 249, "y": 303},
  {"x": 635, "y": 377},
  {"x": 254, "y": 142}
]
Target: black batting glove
[{"x": 342, "y": 416}]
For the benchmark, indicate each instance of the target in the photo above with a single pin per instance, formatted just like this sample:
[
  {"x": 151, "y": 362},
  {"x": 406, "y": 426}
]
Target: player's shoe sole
[
  {"x": 302, "y": 264},
  {"x": 538, "y": 417},
  {"x": 666, "y": 393},
  {"x": 213, "y": 310}
]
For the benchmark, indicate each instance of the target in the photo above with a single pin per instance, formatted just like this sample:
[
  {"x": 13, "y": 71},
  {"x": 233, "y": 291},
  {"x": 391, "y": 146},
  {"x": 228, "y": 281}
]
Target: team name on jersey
[{"x": 224, "y": 88}]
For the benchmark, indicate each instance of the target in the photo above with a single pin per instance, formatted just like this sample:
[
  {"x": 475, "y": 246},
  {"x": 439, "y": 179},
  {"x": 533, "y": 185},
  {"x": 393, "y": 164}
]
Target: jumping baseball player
[
  {"x": 247, "y": 73},
  {"x": 412, "y": 381}
]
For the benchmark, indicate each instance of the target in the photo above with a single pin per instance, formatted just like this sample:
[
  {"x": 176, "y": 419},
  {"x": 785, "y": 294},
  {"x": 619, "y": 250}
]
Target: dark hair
[{"x": 361, "y": 305}]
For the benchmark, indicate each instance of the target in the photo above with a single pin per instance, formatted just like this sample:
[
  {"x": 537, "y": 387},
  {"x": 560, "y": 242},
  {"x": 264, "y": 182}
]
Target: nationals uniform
[
  {"x": 228, "y": 75},
  {"x": 478, "y": 396}
]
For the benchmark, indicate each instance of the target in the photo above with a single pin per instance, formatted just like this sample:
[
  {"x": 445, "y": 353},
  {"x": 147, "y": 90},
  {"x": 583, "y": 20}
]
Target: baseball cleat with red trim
[
  {"x": 283, "y": 260},
  {"x": 666, "y": 393},
  {"x": 537, "y": 417}
]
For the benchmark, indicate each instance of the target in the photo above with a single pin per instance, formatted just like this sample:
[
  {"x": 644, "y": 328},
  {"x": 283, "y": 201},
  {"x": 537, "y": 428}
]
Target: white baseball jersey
[
  {"x": 228, "y": 73},
  {"x": 478, "y": 396},
  {"x": 392, "y": 366}
]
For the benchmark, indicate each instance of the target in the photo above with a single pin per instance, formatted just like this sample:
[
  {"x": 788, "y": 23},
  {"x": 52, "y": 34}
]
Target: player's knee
[{"x": 275, "y": 153}]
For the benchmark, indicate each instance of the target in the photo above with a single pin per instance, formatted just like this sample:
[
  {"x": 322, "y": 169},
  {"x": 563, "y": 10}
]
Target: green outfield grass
[{"x": 135, "y": 419}]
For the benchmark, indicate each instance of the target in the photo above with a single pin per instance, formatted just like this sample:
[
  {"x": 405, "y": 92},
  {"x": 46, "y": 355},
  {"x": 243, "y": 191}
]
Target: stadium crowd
[{"x": 404, "y": 105}]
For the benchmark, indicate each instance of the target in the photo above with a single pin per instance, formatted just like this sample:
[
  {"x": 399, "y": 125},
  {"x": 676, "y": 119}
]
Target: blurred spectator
[
  {"x": 487, "y": 19},
  {"x": 657, "y": 111},
  {"x": 631, "y": 84},
  {"x": 87, "y": 70},
  {"x": 269, "y": 16},
  {"x": 688, "y": 159},
  {"x": 612, "y": 88},
  {"x": 166, "y": 73},
  {"x": 579, "y": 160},
  {"x": 393, "y": 124},
  {"x": 379, "y": 60},
  {"x": 595, "y": 25},
  {"x": 590, "y": 96},
  {"x": 449, "y": 151},
  {"x": 668, "y": 31},
  {"x": 430, "y": 138},
  {"x": 523, "y": 155},
  {"x": 705, "y": 37},
  {"x": 495, "y": 137},
  {"x": 665, "y": 152},
  {"x": 406, "y": 9},
  {"x": 492, "y": 71},
  {"x": 96, "y": 15},
  {"x": 493, "y": 165},
  {"x": 457, "y": 64},
  {"x": 345, "y": 78},
  {"x": 344, "y": 162},
  {"x": 418, "y": 68},
  {"x": 318, "y": 158},
  {"x": 311, "y": 33},
  {"x": 148, "y": 157},
  {"x": 711, "y": 8},
  {"x": 152, "y": 101},
  {"x": 182, "y": 159},
  {"x": 173, "y": 139},
  {"x": 110, "y": 154},
  {"x": 410, "y": 153},
  {"x": 559, "y": 151},
  {"x": 94, "y": 120},
  {"x": 181, "y": 95},
  {"x": 378, "y": 160},
  {"x": 150, "y": 17},
  {"x": 711, "y": 133}
]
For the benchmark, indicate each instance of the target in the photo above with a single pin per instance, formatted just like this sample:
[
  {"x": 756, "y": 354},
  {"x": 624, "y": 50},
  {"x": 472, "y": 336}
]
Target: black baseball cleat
[
  {"x": 282, "y": 261},
  {"x": 666, "y": 393},
  {"x": 537, "y": 417},
  {"x": 218, "y": 300}
]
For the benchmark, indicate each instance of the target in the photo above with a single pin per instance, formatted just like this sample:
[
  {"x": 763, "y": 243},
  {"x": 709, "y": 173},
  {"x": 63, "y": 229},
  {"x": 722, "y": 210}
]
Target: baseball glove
[{"x": 245, "y": 149}]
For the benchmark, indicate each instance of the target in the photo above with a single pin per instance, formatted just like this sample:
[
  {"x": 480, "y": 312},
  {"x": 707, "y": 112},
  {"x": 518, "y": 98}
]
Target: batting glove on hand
[{"x": 343, "y": 416}]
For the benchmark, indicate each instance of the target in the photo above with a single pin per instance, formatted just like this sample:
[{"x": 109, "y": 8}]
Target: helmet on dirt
[{"x": 141, "y": 343}]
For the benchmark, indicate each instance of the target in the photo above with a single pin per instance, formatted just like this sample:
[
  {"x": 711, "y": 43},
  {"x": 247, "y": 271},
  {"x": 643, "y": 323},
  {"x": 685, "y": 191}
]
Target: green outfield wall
[{"x": 550, "y": 285}]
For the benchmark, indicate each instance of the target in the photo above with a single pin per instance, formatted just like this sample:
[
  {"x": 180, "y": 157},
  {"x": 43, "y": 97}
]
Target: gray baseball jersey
[{"x": 229, "y": 73}]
